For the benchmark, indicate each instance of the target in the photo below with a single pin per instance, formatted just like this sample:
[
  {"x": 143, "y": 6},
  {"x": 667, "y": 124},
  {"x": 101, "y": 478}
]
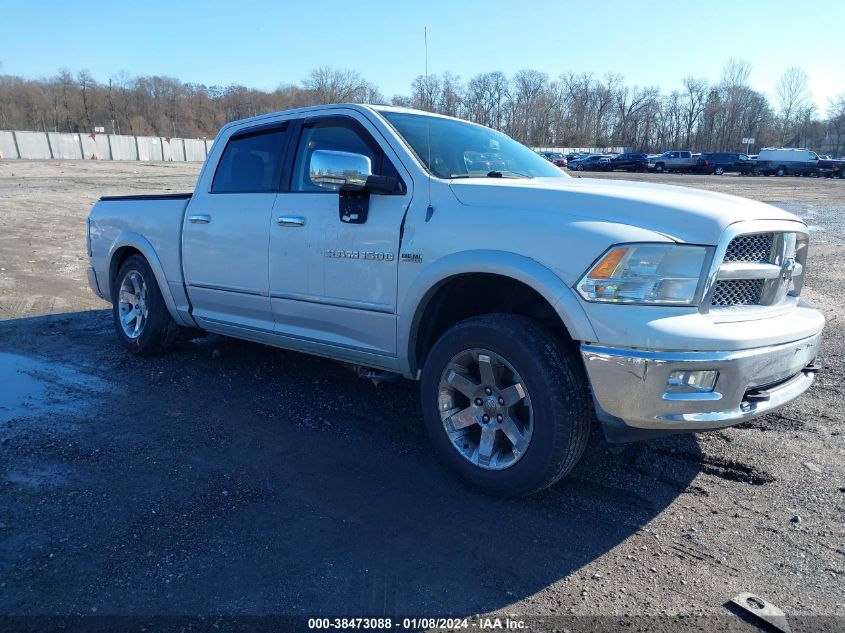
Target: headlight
[{"x": 646, "y": 273}]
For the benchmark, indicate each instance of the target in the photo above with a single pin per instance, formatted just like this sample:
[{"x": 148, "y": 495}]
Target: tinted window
[
  {"x": 251, "y": 163},
  {"x": 337, "y": 135}
]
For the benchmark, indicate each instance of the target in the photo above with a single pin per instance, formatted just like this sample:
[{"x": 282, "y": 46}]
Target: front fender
[
  {"x": 141, "y": 244},
  {"x": 518, "y": 267}
]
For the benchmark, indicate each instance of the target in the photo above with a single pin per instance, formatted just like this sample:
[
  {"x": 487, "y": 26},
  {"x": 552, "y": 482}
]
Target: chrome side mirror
[{"x": 332, "y": 169}]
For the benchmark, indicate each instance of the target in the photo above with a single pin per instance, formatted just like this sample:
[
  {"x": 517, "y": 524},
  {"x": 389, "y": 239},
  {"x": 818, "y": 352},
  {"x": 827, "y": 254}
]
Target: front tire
[
  {"x": 719, "y": 171},
  {"x": 506, "y": 404},
  {"x": 141, "y": 319},
  {"x": 579, "y": 168}
]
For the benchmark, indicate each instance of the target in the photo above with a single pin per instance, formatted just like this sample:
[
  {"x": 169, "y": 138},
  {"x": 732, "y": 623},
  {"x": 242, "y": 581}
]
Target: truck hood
[{"x": 680, "y": 213}]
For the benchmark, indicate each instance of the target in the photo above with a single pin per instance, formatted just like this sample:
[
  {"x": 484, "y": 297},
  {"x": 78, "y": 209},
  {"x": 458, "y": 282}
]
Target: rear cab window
[{"x": 252, "y": 161}]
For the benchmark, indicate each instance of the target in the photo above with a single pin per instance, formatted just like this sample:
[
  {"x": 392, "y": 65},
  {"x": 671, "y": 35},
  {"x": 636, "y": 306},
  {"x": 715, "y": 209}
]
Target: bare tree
[
  {"x": 695, "y": 96},
  {"x": 573, "y": 110},
  {"x": 329, "y": 85},
  {"x": 793, "y": 96}
]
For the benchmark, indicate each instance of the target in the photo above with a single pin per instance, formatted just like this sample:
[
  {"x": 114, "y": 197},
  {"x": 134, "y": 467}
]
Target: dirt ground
[{"x": 236, "y": 479}]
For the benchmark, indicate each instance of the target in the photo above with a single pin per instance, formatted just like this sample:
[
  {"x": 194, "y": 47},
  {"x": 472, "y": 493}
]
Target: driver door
[{"x": 333, "y": 282}]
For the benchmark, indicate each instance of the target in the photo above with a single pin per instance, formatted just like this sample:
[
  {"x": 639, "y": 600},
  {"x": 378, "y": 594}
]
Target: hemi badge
[{"x": 414, "y": 258}]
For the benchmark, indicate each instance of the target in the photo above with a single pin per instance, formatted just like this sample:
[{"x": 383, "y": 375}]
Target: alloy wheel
[
  {"x": 485, "y": 409},
  {"x": 132, "y": 304}
]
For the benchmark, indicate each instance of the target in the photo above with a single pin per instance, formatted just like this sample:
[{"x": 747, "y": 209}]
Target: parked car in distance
[
  {"x": 628, "y": 162},
  {"x": 787, "y": 161},
  {"x": 593, "y": 162},
  {"x": 722, "y": 162},
  {"x": 555, "y": 157},
  {"x": 831, "y": 167},
  {"x": 673, "y": 160},
  {"x": 576, "y": 156}
]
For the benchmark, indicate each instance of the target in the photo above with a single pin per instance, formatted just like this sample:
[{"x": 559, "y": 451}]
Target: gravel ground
[{"x": 230, "y": 478}]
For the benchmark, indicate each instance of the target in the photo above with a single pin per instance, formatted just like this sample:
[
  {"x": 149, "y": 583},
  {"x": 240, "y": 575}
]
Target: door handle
[
  {"x": 199, "y": 219},
  {"x": 290, "y": 220}
]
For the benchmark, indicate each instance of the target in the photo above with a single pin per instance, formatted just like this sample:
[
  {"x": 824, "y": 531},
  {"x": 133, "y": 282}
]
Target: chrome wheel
[
  {"x": 485, "y": 409},
  {"x": 132, "y": 304}
]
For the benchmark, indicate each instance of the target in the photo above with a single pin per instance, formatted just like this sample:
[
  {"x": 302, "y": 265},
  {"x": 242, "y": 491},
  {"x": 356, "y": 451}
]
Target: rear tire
[
  {"x": 524, "y": 378},
  {"x": 780, "y": 171},
  {"x": 579, "y": 168},
  {"x": 141, "y": 319},
  {"x": 719, "y": 171}
]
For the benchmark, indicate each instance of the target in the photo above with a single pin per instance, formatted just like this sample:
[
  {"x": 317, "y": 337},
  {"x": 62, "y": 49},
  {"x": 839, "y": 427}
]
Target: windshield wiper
[{"x": 493, "y": 174}]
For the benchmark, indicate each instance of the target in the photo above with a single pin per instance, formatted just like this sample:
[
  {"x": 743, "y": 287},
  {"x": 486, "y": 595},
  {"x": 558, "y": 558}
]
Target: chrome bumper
[
  {"x": 630, "y": 386},
  {"x": 92, "y": 281}
]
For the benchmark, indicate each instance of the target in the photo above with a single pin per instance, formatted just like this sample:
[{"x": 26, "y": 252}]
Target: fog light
[{"x": 692, "y": 381}]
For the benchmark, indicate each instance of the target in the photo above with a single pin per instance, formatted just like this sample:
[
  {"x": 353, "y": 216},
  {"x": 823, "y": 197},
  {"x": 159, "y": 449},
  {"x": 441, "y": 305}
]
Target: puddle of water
[{"x": 34, "y": 388}]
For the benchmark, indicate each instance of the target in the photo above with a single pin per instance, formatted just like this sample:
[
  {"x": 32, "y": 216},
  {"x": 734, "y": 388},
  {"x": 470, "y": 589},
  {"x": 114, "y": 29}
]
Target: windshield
[{"x": 461, "y": 150}]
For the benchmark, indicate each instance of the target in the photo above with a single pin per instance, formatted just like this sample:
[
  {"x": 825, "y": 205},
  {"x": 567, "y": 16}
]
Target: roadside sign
[
  {"x": 748, "y": 141},
  {"x": 99, "y": 130}
]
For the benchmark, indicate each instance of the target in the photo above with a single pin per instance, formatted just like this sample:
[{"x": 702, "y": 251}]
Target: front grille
[
  {"x": 737, "y": 292},
  {"x": 759, "y": 270},
  {"x": 750, "y": 248}
]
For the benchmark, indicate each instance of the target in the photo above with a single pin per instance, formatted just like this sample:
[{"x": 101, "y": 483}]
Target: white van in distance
[{"x": 787, "y": 161}]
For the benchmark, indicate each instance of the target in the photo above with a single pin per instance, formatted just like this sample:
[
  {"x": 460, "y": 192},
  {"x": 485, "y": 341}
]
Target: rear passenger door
[{"x": 226, "y": 231}]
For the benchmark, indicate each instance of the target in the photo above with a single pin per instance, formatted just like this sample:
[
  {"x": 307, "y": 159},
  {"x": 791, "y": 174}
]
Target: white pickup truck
[{"x": 527, "y": 303}]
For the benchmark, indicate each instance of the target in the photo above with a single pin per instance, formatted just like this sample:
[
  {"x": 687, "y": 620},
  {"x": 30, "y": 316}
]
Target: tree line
[{"x": 570, "y": 110}]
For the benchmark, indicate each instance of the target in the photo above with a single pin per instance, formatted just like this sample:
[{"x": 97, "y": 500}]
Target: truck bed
[{"x": 151, "y": 222}]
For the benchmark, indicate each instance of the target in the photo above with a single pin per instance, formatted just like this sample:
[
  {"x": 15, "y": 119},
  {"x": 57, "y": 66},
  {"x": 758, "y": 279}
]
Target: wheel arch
[
  {"x": 519, "y": 280},
  {"x": 127, "y": 244}
]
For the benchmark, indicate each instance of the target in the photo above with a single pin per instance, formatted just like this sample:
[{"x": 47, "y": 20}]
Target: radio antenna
[{"x": 430, "y": 210}]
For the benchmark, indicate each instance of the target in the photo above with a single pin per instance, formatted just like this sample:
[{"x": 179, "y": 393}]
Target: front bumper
[{"x": 630, "y": 386}]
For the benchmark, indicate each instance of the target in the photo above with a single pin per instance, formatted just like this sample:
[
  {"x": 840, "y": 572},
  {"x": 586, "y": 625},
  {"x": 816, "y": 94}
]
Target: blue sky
[{"x": 263, "y": 44}]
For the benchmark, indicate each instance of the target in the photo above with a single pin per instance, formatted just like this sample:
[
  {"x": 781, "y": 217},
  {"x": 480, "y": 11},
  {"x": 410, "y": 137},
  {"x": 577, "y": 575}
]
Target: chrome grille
[
  {"x": 759, "y": 270},
  {"x": 737, "y": 292},
  {"x": 750, "y": 248}
]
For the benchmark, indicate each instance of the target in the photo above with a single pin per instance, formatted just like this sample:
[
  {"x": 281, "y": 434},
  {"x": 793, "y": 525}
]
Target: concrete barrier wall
[
  {"x": 123, "y": 147},
  {"x": 33, "y": 145},
  {"x": 103, "y": 147},
  {"x": 194, "y": 149},
  {"x": 61, "y": 145},
  {"x": 177, "y": 149},
  {"x": 65, "y": 145},
  {"x": 89, "y": 147},
  {"x": 165, "y": 149},
  {"x": 590, "y": 150},
  {"x": 7, "y": 145},
  {"x": 149, "y": 148}
]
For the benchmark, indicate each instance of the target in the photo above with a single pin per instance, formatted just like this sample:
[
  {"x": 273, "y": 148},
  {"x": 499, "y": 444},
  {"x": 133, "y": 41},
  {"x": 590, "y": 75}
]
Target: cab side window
[
  {"x": 252, "y": 162},
  {"x": 337, "y": 135}
]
